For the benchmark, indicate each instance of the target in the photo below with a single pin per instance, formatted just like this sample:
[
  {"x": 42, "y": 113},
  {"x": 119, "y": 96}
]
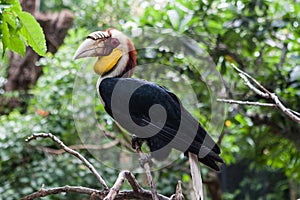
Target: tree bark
[{"x": 23, "y": 72}]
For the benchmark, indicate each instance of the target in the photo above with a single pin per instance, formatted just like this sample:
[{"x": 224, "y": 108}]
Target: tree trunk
[{"x": 23, "y": 72}]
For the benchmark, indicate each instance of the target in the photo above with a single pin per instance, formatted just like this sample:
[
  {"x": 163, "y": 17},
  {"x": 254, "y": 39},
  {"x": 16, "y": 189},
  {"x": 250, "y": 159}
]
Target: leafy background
[{"x": 260, "y": 145}]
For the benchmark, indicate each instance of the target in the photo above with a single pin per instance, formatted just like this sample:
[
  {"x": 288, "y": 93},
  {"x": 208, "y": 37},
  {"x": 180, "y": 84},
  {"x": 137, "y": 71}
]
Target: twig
[
  {"x": 295, "y": 112},
  {"x": 178, "y": 194},
  {"x": 284, "y": 109},
  {"x": 263, "y": 92},
  {"x": 145, "y": 161},
  {"x": 114, "y": 193},
  {"x": 283, "y": 56},
  {"x": 110, "y": 135},
  {"x": 196, "y": 176},
  {"x": 148, "y": 173},
  {"x": 252, "y": 79},
  {"x": 77, "y": 147},
  {"x": 71, "y": 151},
  {"x": 139, "y": 192},
  {"x": 231, "y": 101},
  {"x": 119, "y": 182},
  {"x": 76, "y": 189}
]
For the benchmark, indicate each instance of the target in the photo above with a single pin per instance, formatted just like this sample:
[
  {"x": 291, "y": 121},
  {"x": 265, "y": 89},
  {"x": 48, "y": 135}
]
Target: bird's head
[{"x": 115, "y": 52}]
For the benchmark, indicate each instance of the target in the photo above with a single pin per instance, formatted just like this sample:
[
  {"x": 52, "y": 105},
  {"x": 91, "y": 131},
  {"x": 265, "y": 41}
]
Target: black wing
[{"x": 151, "y": 112}]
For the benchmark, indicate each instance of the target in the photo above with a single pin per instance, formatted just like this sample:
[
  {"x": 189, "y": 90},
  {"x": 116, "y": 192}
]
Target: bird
[{"x": 147, "y": 110}]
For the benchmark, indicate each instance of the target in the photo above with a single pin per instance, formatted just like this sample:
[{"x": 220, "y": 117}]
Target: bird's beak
[
  {"x": 93, "y": 48},
  {"x": 87, "y": 49}
]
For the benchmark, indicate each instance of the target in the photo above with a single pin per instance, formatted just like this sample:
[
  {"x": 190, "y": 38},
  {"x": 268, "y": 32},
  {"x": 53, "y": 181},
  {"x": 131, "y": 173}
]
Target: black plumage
[{"x": 159, "y": 126}]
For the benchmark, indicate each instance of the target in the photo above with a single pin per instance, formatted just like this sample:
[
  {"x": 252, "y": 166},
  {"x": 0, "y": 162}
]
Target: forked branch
[
  {"x": 70, "y": 151},
  {"x": 106, "y": 193},
  {"x": 259, "y": 89}
]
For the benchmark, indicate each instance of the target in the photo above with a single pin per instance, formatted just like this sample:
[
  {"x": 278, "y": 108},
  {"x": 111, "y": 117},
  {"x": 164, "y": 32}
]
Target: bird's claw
[{"x": 136, "y": 143}]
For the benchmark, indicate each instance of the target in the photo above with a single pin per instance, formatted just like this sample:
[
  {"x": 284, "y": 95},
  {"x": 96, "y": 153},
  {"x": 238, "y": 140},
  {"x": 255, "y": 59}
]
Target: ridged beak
[
  {"x": 87, "y": 49},
  {"x": 97, "y": 44}
]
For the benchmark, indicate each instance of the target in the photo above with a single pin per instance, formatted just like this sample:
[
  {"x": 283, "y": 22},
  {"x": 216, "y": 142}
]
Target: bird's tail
[{"x": 212, "y": 160}]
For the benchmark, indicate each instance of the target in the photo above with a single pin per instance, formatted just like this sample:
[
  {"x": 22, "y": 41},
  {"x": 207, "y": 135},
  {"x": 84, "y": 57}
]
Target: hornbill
[{"x": 147, "y": 110}]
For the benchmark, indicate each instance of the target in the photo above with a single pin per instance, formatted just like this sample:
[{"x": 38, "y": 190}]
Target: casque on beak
[{"x": 97, "y": 44}]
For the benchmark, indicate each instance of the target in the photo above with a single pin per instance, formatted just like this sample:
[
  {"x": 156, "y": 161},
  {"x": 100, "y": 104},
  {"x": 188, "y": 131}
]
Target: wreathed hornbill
[{"x": 143, "y": 108}]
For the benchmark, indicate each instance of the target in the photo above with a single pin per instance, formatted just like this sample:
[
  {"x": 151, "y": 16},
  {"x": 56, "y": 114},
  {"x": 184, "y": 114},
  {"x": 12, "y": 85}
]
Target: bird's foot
[{"x": 136, "y": 143}]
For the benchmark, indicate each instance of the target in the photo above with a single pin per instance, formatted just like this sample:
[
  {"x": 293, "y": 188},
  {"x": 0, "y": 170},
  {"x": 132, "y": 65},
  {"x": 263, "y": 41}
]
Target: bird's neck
[{"x": 126, "y": 65}]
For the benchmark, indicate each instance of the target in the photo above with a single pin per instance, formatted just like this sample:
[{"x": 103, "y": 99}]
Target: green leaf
[
  {"x": 10, "y": 19},
  {"x": 32, "y": 32},
  {"x": 15, "y": 5},
  {"x": 17, "y": 45},
  {"x": 11, "y": 38},
  {"x": 5, "y": 36}
]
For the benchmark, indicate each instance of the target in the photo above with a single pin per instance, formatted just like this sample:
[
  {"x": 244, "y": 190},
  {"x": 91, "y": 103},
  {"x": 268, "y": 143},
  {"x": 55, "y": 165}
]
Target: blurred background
[{"x": 260, "y": 145}]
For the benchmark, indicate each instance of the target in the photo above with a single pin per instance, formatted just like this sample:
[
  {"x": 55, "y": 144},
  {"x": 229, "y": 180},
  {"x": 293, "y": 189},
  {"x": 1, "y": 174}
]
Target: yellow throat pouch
[{"x": 106, "y": 63}]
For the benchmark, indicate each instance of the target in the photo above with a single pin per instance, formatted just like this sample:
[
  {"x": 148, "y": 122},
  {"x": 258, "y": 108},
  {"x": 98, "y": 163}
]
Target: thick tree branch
[{"x": 71, "y": 151}]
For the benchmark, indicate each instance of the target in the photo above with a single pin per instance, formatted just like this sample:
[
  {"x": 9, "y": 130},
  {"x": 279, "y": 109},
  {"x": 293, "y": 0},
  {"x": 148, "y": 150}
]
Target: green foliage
[
  {"x": 19, "y": 28},
  {"x": 24, "y": 168}
]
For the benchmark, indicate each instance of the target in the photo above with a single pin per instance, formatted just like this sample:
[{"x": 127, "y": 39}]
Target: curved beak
[
  {"x": 86, "y": 49},
  {"x": 93, "y": 48}
]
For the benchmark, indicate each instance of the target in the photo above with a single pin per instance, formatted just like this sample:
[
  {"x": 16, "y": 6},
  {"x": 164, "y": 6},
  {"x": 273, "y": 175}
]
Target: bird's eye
[{"x": 114, "y": 42}]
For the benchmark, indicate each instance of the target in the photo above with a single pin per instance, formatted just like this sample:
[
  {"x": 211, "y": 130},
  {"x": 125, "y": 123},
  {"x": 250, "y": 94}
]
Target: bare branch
[
  {"x": 253, "y": 88},
  {"x": 295, "y": 112},
  {"x": 71, "y": 151},
  {"x": 75, "y": 189},
  {"x": 241, "y": 73},
  {"x": 145, "y": 161},
  {"x": 77, "y": 147},
  {"x": 178, "y": 195},
  {"x": 111, "y": 135},
  {"x": 138, "y": 191},
  {"x": 126, "y": 194},
  {"x": 132, "y": 181},
  {"x": 196, "y": 176},
  {"x": 295, "y": 116},
  {"x": 284, "y": 109},
  {"x": 283, "y": 56},
  {"x": 147, "y": 168},
  {"x": 119, "y": 182},
  {"x": 108, "y": 194},
  {"x": 231, "y": 101}
]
